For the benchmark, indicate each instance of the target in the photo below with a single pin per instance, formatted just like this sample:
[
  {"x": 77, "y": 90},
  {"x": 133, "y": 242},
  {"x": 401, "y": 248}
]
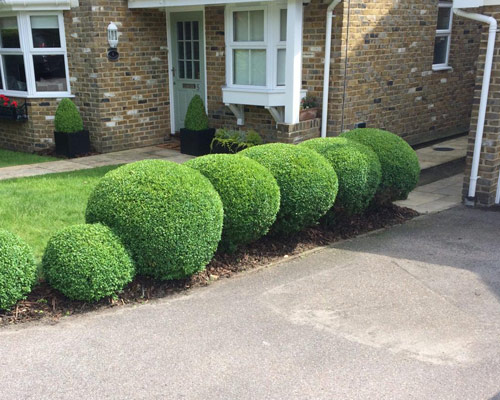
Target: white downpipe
[
  {"x": 326, "y": 78},
  {"x": 484, "y": 93},
  {"x": 497, "y": 199}
]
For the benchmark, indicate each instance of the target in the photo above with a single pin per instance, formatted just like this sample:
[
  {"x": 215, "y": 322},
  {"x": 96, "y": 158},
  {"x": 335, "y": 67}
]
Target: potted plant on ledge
[
  {"x": 308, "y": 108},
  {"x": 196, "y": 136},
  {"x": 71, "y": 139}
]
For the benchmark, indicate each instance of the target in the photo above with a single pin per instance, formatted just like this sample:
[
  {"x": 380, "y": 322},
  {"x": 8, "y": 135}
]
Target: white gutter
[
  {"x": 326, "y": 78},
  {"x": 484, "y": 94}
]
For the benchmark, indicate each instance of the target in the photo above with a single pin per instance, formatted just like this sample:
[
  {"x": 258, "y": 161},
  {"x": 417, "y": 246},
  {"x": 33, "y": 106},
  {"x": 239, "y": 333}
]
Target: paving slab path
[
  {"x": 74, "y": 164},
  {"x": 412, "y": 312}
]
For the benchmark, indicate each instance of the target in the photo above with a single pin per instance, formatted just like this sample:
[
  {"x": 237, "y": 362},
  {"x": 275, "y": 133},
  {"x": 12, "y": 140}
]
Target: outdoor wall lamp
[{"x": 113, "y": 54}]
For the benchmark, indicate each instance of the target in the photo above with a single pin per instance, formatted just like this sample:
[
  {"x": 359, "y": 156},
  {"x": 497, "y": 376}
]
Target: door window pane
[
  {"x": 196, "y": 31},
  {"x": 180, "y": 31},
  {"x": 283, "y": 25},
  {"x": 45, "y": 31},
  {"x": 281, "y": 67},
  {"x": 440, "y": 50},
  {"x": 180, "y": 46},
  {"x": 187, "y": 30},
  {"x": 15, "y": 75},
  {"x": 196, "y": 70},
  {"x": 248, "y": 26},
  {"x": 444, "y": 17},
  {"x": 50, "y": 73},
  {"x": 182, "y": 70},
  {"x": 196, "y": 49},
  {"x": 189, "y": 70},
  {"x": 9, "y": 33}
]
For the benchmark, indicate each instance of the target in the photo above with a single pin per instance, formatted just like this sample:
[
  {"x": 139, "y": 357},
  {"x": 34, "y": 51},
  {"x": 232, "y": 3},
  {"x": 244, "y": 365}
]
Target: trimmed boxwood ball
[
  {"x": 17, "y": 269},
  {"x": 249, "y": 194},
  {"x": 399, "y": 162},
  {"x": 357, "y": 168},
  {"x": 87, "y": 262},
  {"x": 169, "y": 216},
  {"x": 308, "y": 184}
]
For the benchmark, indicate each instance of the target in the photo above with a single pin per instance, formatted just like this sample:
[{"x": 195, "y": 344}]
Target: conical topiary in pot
[
  {"x": 70, "y": 137},
  {"x": 196, "y": 136}
]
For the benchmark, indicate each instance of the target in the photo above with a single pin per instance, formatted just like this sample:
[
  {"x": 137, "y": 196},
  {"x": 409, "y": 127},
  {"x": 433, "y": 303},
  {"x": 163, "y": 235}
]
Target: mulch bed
[{"x": 48, "y": 304}]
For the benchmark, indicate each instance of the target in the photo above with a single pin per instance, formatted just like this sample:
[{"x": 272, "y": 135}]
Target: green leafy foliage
[
  {"x": 308, "y": 184},
  {"x": 196, "y": 116},
  {"x": 168, "y": 215},
  {"x": 236, "y": 141},
  {"x": 67, "y": 118},
  {"x": 17, "y": 269},
  {"x": 357, "y": 168},
  {"x": 249, "y": 194},
  {"x": 399, "y": 162},
  {"x": 87, "y": 262}
]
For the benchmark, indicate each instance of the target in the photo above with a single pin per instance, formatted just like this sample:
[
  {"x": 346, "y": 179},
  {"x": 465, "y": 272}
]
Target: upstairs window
[
  {"x": 443, "y": 36},
  {"x": 256, "y": 43},
  {"x": 33, "y": 60}
]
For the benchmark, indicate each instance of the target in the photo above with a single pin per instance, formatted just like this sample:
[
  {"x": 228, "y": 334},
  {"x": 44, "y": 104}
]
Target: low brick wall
[{"x": 296, "y": 133}]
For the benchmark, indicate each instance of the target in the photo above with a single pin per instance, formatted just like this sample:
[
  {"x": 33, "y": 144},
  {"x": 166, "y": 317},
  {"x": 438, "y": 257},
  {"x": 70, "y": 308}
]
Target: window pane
[
  {"x": 189, "y": 55},
  {"x": 180, "y": 46},
  {"x": 281, "y": 67},
  {"x": 1, "y": 84},
  {"x": 196, "y": 70},
  {"x": 440, "y": 50},
  {"x": 9, "y": 34},
  {"x": 45, "y": 31},
  {"x": 240, "y": 26},
  {"x": 187, "y": 30},
  {"x": 189, "y": 70},
  {"x": 241, "y": 59},
  {"x": 196, "y": 31},
  {"x": 15, "y": 75},
  {"x": 444, "y": 15},
  {"x": 180, "y": 31},
  {"x": 258, "y": 67},
  {"x": 257, "y": 26},
  {"x": 182, "y": 71},
  {"x": 50, "y": 73},
  {"x": 283, "y": 25},
  {"x": 196, "y": 50}
]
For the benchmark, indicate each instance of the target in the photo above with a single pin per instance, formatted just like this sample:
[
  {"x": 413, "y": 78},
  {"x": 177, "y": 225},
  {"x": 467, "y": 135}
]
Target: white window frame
[
  {"x": 444, "y": 33},
  {"x": 28, "y": 51},
  {"x": 271, "y": 44}
]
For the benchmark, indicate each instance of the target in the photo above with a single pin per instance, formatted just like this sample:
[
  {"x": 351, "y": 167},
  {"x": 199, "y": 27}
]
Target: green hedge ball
[
  {"x": 87, "y": 262},
  {"x": 308, "y": 184},
  {"x": 399, "y": 162},
  {"x": 169, "y": 216},
  {"x": 17, "y": 269},
  {"x": 249, "y": 194},
  {"x": 357, "y": 168}
]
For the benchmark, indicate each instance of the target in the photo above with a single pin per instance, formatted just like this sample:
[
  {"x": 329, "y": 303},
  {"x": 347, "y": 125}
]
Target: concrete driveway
[{"x": 409, "y": 313}]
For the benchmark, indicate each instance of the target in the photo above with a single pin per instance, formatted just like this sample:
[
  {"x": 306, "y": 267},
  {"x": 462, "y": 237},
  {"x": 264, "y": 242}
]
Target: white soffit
[
  {"x": 37, "y": 5},
  {"x": 474, "y": 3},
  {"x": 184, "y": 3}
]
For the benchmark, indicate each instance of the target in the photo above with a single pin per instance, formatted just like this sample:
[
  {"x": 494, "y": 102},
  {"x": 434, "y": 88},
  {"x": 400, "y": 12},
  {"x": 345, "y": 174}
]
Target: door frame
[{"x": 169, "y": 11}]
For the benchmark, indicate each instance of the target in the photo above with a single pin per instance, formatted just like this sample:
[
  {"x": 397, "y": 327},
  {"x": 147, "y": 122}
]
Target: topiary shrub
[
  {"x": 196, "y": 116},
  {"x": 67, "y": 118},
  {"x": 168, "y": 215},
  {"x": 308, "y": 184},
  {"x": 87, "y": 262},
  {"x": 17, "y": 269},
  {"x": 399, "y": 162},
  {"x": 249, "y": 194},
  {"x": 357, "y": 168}
]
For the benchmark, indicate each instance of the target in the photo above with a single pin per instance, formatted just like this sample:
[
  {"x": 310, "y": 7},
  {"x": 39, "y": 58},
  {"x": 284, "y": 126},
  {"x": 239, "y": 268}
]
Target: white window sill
[
  {"x": 254, "y": 96},
  {"x": 437, "y": 68},
  {"x": 48, "y": 95}
]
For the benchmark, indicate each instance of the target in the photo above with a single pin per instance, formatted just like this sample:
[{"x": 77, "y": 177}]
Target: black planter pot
[
  {"x": 230, "y": 148},
  {"x": 72, "y": 144},
  {"x": 196, "y": 143}
]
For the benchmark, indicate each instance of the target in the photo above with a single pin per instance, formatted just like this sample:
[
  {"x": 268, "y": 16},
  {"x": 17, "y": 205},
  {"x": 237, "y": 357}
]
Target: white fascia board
[
  {"x": 37, "y": 5},
  {"x": 474, "y": 3},
  {"x": 184, "y": 3}
]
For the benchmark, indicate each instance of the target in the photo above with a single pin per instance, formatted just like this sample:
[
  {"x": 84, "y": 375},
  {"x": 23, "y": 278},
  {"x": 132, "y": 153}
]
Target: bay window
[
  {"x": 443, "y": 36},
  {"x": 256, "y": 46},
  {"x": 33, "y": 59}
]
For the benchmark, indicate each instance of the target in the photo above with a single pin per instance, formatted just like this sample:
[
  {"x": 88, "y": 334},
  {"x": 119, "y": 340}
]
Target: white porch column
[{"x": 293, "y": 61}]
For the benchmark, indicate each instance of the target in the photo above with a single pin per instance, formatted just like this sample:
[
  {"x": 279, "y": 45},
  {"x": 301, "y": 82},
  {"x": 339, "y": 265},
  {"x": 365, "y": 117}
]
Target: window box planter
[
  {"x": 10, "y": 113},
  {"x": 308, "y": 113},
  {"x": 196, "y": 143},
  {"x": 72, "y": 144}
]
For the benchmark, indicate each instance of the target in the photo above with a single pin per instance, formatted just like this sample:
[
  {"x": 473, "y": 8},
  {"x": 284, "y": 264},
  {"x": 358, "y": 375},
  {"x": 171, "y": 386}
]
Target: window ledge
[
  {"x": 48, "y": 95},
  {"x": 255, "y": 96},
  {"x": 437, "y": 68}
]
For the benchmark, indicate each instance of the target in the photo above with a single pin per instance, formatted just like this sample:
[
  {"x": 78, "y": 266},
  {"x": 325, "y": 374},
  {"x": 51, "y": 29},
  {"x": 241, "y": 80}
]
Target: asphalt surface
[{"x": 412, "y": 312}]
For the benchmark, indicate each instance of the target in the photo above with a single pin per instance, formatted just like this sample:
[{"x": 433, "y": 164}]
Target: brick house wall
[{"x": 489, "y": 165}]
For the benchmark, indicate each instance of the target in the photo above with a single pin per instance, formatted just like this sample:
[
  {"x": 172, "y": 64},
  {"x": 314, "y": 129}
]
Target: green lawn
[
  {"x": 9, "y": 158},
  {"x": 36, "y": 207}
]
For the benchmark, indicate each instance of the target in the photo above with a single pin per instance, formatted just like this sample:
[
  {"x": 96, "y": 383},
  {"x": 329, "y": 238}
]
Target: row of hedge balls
[{"x": 164, "y": 220}]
